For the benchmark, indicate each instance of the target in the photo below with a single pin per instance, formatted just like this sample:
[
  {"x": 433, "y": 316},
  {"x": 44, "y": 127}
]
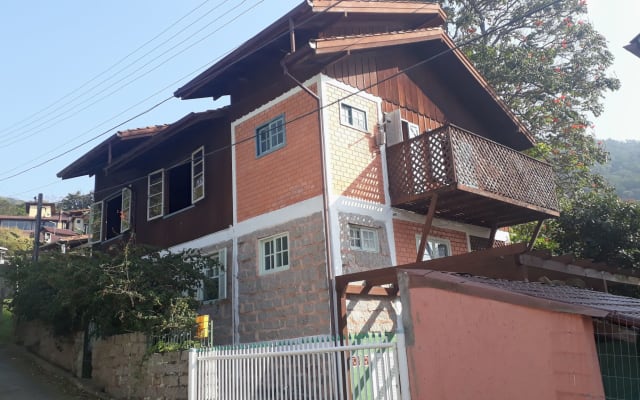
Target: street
[{"x": 22, "y": 379}]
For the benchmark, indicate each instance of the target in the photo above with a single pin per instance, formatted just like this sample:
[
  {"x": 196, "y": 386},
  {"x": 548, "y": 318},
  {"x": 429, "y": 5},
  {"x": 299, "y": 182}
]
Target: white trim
[
  {"x": 128, "y": 220},
  {"x": 194, "y": 200},
  {"x": 280, "y": 217},
  {"x": 261, "y": 253},
  {"x": 204, "y": 241},
  {"x": 469, "y": 229},
  {"x": 161, "y": 171}
]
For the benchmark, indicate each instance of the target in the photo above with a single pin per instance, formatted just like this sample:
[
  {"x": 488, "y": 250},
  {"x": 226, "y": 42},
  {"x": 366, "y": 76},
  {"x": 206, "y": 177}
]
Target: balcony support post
[
  {"x": 427, "y": 227},
  {"x": 492, "y": 237},
  {"x": 535, "y": 234}
]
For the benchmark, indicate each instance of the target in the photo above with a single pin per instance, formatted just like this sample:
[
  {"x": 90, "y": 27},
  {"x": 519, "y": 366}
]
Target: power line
[
  {"x": 20, "y": 122},
  {"x": 72, "y": 112},
  {"x": 317, "y": 109}
]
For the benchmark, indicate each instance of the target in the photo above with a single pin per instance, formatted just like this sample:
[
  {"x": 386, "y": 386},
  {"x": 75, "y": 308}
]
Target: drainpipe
[{"x": 325, "y": 204}]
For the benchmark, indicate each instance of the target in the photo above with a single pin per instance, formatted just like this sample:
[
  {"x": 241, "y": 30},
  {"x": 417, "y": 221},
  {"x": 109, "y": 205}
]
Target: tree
[
  {"x": 11, "y": 207},
  {"x": 129, "y": 288},
  {"x": 550, "y": 67},
  {"x": 15, "y": 240},
  {"x": 76, "y": 201}
]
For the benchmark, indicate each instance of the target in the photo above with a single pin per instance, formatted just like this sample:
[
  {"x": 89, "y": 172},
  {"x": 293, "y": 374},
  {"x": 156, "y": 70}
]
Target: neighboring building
[
  {"x": 3, "y": 255},
  {"x": 391, "y": 136},
  {"x": 634, "y": 46}
]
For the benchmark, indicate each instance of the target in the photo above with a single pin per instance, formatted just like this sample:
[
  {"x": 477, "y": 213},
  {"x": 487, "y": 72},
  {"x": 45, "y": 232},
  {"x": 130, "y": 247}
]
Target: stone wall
[
  {"x": 369, "y": 314},
  {"x": 290, "y": 303},
  {"x": 123, "y": 369},
  {"x": 354, "y": 260},
  {"x": 65, "y": 352}
]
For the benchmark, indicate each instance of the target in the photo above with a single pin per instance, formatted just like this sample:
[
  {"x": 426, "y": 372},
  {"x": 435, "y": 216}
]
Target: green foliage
[
  {"x": 76, "y": 201},
  {"x": 6, "y": 325},
  {"x": 550, "y": 67},
  {"x": 15, "y": 240},
  {"x": 601, "y": 227},
  {"x": 166, "y": 347},
  {"x": 130, "y": 288},
  {"x": 623, "y": 169},
  {"x": 10, "y": 206}
]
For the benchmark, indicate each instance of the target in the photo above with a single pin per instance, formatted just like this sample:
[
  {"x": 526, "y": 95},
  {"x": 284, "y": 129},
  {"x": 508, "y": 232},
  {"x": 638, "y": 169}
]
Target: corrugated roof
[{"x": 617, "y": 305}]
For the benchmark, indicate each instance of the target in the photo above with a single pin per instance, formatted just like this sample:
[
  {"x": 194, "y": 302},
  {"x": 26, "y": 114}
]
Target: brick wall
[
  {"x": 288, "y": 175},
  {"x": 288, "y": 303},
  {"x": 355, "y": 161},
  {"x": 405, "y": 236},
  {"x": 354, "y": 260}
]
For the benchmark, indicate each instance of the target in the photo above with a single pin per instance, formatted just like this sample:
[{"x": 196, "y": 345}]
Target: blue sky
[{"x": 72, "y": 70}]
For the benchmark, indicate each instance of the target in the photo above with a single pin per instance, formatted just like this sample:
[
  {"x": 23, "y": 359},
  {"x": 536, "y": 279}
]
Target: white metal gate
[{"x": 298, "y": 369}]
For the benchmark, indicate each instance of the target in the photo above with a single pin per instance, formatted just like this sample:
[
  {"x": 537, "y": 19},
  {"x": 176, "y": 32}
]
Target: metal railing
[{"x": 304, "y": 369}]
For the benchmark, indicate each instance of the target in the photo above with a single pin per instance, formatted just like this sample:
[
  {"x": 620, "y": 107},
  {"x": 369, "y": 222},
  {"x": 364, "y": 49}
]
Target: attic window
[{"x": 353, "y": 117}]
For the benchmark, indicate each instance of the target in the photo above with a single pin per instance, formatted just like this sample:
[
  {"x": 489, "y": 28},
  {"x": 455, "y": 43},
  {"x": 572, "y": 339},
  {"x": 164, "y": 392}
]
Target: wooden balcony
[{"x": 477, "y": 181}]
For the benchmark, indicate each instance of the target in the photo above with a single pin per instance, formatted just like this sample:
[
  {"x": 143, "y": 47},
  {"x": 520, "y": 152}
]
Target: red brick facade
[{"x": 405, "y": 239}]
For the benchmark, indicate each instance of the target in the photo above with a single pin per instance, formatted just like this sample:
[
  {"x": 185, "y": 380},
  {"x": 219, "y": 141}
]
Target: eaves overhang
[
  {"x": 172, "y": 130},
  {"x": 313, "y": 16}
]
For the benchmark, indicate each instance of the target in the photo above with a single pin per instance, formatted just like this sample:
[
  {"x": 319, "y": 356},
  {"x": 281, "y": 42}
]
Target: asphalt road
[{"x": 22, "y": 379}]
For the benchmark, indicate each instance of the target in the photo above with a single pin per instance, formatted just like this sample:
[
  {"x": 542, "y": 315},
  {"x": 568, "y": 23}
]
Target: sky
[{"x": 75, "y": 72}]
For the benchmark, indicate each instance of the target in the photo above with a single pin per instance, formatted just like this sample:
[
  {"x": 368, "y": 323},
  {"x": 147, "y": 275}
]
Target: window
[
  {"x": 178, "y": 187},
  {"x": 214, "y": 286},
  {"x": 116, "y": 214},
  {"x": 270, "y": 136},
  {"x": 363, "y": 238},
  {"x": 436, "y": 248},
  {"x": 274, "y": 253},
  {"x": 353, "y": 117},
  {"x": 95, "y": 222},
  {"x": 155, "y": 195},
  {"x": 197, "y": 175}
]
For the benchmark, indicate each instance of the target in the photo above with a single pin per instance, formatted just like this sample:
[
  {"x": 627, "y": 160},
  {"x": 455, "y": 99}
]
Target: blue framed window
[{"x": 270, "y": 136}]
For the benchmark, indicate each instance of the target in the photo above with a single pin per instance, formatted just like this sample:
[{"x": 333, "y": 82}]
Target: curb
[{"x": 82, "y": 384}]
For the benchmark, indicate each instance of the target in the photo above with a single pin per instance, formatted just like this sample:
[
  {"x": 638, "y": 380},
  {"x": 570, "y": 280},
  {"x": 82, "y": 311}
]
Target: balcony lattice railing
[{"x": 450, "y": 160}]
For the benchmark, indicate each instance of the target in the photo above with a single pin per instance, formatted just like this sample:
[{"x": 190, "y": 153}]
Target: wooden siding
[{"x": 211, "y": 214}]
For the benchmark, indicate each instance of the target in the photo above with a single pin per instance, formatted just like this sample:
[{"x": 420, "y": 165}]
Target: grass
[{"x": 6, "y": 325}]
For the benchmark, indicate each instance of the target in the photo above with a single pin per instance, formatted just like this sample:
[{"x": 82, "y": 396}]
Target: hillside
[
  {"x": 9, "y": 206},
  {"x": 623, "y": 171}
]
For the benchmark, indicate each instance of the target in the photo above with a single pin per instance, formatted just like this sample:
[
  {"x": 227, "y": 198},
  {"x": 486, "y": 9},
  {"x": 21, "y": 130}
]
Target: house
[{"x": 357, "y": 137}]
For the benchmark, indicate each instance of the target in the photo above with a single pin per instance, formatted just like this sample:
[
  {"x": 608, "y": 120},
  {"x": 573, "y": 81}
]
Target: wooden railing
[{"x": 451, "y": 158}]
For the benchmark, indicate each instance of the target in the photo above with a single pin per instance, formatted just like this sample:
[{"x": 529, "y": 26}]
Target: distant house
[
  {"x": 358, "y": 137},
  {"x": 3, "y": 255}
]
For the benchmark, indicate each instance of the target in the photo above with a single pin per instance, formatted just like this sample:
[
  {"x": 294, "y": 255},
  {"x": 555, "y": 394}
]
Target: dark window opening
[
  {"x": 113, "y": 214},
  {"x": 179, "y": 187}
]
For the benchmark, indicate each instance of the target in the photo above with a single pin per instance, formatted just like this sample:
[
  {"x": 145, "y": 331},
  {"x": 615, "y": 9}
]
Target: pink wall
[{"x": 468, "y": 347}]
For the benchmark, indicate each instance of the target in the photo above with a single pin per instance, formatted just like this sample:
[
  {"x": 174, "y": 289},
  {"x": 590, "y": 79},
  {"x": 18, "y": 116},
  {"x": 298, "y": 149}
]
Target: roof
[
  {"x": 58, "y": 231},
  {"x": 306, "y": 17},
  {"x": 626, "y": 307},
  {"x": 127, "y": 144}
]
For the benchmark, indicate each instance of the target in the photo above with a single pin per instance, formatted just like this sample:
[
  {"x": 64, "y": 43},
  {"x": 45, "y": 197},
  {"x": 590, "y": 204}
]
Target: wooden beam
[
  {"x": 362, "y": 42},
  {"x": 371, "y": 291},
  {"x": 534, "y": 236},
  {"x": 377, "y": 7},
  {"x": 572, "y": 269},
  {"x": 492, "y": 236},
  {"x": 427, "y": 227}
]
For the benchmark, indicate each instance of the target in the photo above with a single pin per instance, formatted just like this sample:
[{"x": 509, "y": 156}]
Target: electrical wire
[{"x": 304, "y": 115}]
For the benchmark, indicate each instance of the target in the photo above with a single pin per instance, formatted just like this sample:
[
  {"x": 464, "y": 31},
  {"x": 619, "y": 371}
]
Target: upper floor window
[
  {"x": 197, "y": 175},
  {"x": 176, "y": 188},
  {"x": 436, "y": 248},
  {"x": 274, "y": 253},
  {"x": 353, "y": 117},
  {"x": 155, "y": 195},
  {"x": 361, "y": 238},
  {"x": 214, "y": 286},
  {"x": 111, "y": 217},
  {"x": 270, "y": 136}
]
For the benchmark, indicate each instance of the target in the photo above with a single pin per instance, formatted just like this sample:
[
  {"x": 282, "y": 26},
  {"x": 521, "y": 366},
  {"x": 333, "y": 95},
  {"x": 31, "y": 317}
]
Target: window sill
[{"x": 178, "y": 212}]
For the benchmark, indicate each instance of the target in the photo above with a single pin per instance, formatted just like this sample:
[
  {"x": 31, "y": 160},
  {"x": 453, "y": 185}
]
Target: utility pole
[{"x": 36, "y": 231}]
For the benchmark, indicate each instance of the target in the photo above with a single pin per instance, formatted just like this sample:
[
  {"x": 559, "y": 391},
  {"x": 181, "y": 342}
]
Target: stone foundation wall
[
  {"x": 290, "y": 303},
  {"x": 65, "y": 352},
  {"x": 123, "y": 369},
  {"x": 369, "y": 314}
]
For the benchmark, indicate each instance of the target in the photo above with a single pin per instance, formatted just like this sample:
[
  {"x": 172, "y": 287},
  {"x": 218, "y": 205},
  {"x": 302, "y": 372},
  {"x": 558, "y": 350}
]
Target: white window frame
[
  {"x": 431, "y": 243},
  {"x": 348, "y": 117},
  {"x": 125, "y": 210},
  {"x": 370, "y": 244},
  {"x": 197, "y": 178},
  {"x": 159, "y": 195},
  {"x": 96, "y": 237},
  {"x": 271, "y": 129},
  {"x": 220, "y": 273},
  {"x": 273, "y": 254}
]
